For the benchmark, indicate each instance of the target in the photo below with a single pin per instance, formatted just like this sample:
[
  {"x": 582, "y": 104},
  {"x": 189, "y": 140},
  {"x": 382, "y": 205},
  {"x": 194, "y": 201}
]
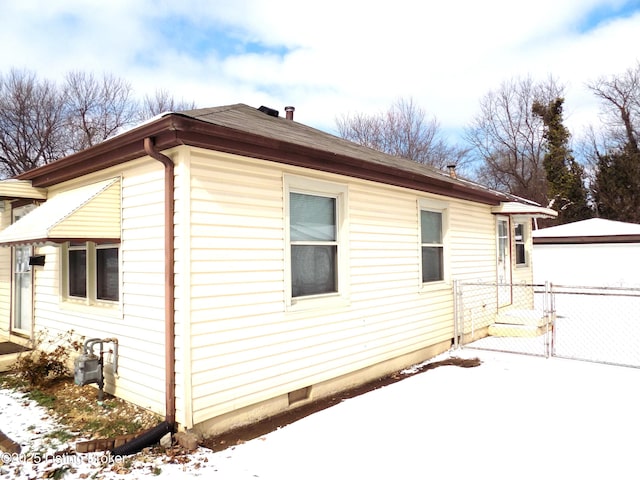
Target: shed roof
[
  {"x": 593, "y": 230},
  {"x": 13, "y": 189},
  {"x": 91, "y": 212}
]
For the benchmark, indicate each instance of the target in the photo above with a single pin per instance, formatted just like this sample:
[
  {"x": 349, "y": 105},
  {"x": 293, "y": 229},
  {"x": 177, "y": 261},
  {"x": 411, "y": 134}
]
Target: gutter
[
  {"x": 177, "y": 129},
  {"x": 586, "y": 239},
  {"x": 169, "y": 281}
]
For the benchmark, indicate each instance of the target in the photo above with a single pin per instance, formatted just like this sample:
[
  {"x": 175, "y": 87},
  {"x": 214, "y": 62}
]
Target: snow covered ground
[{"x": 512, "y": 417}]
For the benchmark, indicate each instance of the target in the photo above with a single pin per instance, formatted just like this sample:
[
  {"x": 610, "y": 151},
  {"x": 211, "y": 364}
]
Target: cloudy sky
[{"x": 331, "y": 57}]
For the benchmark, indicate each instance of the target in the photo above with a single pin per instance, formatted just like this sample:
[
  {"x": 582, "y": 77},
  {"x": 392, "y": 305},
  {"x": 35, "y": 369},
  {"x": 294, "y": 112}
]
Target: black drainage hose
[{"x": 144, "y": 440}]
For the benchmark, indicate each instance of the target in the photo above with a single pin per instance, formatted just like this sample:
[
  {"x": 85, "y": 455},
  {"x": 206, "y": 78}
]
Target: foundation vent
[{"x": 299, "y": 395}]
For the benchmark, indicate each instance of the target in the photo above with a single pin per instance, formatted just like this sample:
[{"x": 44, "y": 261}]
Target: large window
[
  {"x": 314, "y": 246},
  {"x": 316, "y": 250},
  {"x": 92, "y": 272}
]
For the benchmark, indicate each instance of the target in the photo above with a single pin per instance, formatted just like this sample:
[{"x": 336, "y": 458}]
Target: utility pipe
[
  {"x": 115, "y": 353},
  {"x": 88, "y": 349},
  {"x": 169, "y": 281}
]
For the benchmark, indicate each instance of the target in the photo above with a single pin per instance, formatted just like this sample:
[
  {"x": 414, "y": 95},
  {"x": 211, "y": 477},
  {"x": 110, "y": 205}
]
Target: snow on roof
[{"x": 593, "y": 227}]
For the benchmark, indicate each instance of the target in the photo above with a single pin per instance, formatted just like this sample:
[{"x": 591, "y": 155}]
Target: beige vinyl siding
[
  {"x": 5, "y": 273},
  {"x": 522, "y": 274},
  {"x": 138, "y": 321},
  {"x": 142, "y": 265},
  {"x": 12, "y": 188},
  {"x": 104, "y": 206},
  {"x": 246, "y": 347},
  {"x": 182, "y": 279},
  {"x": 473, "y": 241}
]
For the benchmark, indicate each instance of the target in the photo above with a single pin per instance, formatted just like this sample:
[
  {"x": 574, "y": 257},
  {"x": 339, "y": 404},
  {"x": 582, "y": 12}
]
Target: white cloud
[{"x": 326, "y": 58}]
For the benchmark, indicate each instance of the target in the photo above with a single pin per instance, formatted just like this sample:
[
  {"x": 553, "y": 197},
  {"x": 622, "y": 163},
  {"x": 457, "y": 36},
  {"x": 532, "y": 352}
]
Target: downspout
[{"x": 169, "y": 281}]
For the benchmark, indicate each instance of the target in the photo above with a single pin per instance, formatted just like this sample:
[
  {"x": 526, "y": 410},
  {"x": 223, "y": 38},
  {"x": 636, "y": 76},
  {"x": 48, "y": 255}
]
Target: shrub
[{"x": 48, "y": 360}]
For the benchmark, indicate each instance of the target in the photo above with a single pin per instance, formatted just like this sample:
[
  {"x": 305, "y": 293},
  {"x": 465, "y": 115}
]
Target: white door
[
  {"x": 503, "y": 243},
  {"x": 22, "y": 314},
  {"x": 22, "y": 290}
]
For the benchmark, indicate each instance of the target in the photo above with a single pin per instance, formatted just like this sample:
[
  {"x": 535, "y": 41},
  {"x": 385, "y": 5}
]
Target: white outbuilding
[{"x": 594, "y": 252}]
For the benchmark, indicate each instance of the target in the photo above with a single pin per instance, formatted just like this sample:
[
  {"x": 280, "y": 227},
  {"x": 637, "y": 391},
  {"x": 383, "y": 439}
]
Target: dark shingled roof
[
  {"x": 244, "y": 130},
  {"x": 245, "y": 118},
  {"x": 249, "y": 119}
]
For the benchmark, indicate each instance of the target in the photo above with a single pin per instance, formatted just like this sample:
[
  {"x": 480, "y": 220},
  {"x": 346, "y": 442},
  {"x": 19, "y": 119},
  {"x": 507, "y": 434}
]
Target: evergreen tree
[
  {"x": 616, "y": 188},
  {"x": 565, "y": 176}
]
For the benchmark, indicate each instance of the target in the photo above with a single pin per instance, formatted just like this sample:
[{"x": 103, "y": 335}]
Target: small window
[
  {"x": 107, "y": 273},
  {"x": 77, "y": 259},
  {"x": 431, "y": 234},
  {"x": 92, "y": 272},
  {"x": 520, "y": 241},
  {"x": 314, "y": 246}
]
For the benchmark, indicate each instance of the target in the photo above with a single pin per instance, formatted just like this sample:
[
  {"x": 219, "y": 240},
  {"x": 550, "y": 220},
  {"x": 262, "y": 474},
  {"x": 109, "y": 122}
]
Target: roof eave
[
  {"x": 173, "y": 130},
  {"x": 206, "y": 135},
  {"x": 586, "y": 239},
  {"x": 13, "y": 189},
  {"x": 114, "y": 151},
  {"x": 529, "y": 210}
]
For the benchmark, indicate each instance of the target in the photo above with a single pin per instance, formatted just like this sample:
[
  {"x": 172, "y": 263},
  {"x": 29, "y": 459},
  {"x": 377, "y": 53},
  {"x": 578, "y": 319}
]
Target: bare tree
[
  {"x": 615, "y": 152},
  {"x": 31, "y": 122},
  {"x": 96, "y": 108},
  {"x": 41, "y": 121},
  {"x": 404, "y": 131},
  {"x": 509, "y": 140},
  {"x": 620, "y": 96},
  {"x": 162, "y": 101}
]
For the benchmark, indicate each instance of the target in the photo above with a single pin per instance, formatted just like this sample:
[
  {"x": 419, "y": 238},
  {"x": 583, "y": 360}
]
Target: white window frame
[
  {"x": 312, "y": 186},
  {"x": 436, "y": 206},
  {"x": 526, "y": 228},
  {"x": 91, "y": 298}
]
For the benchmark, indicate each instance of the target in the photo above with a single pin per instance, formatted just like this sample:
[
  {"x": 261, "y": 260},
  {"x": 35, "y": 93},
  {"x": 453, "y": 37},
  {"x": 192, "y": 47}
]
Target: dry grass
[{"x": 77, "y": 408}]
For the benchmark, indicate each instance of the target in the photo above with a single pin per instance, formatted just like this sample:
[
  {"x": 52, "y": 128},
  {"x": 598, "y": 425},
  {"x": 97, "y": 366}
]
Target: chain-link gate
[
  {"x": 505, "y": 317},
  {"x": 598, "y": 324}
]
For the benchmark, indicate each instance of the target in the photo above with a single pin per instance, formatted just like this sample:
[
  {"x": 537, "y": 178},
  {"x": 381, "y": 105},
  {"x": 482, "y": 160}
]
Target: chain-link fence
[
  {"x": 505, "y": 317},
  {"x": 599, "y": 324}
]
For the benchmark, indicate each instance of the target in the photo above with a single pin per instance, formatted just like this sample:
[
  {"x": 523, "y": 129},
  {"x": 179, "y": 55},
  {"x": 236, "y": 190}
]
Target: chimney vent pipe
[
  {"x": 452, "y": 171},
  {"x": 289, "y": 111}
]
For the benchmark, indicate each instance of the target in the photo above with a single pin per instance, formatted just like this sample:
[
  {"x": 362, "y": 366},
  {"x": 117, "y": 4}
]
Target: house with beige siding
[{"x": 248, "y": 264}]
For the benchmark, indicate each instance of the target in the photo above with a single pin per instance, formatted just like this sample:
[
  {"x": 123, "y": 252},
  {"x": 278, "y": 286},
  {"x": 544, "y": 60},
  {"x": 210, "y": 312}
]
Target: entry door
[
  {"x": 22, "y": 314},
  {"x": 22, "y": 290},
  {"x": 504, "y": 261}
]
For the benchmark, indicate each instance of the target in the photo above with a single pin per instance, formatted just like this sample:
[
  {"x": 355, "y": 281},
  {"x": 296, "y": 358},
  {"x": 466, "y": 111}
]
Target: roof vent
[
  {"x": 272, "y": 112},
  {"x": 452, "y": 171},
  {"x": 289, "y": 111}
]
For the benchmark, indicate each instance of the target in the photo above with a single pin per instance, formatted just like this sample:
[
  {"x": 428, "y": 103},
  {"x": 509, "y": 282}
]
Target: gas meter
[
  {"x": 88, "y": 366},
  {"x": 87, "y": 369}
]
